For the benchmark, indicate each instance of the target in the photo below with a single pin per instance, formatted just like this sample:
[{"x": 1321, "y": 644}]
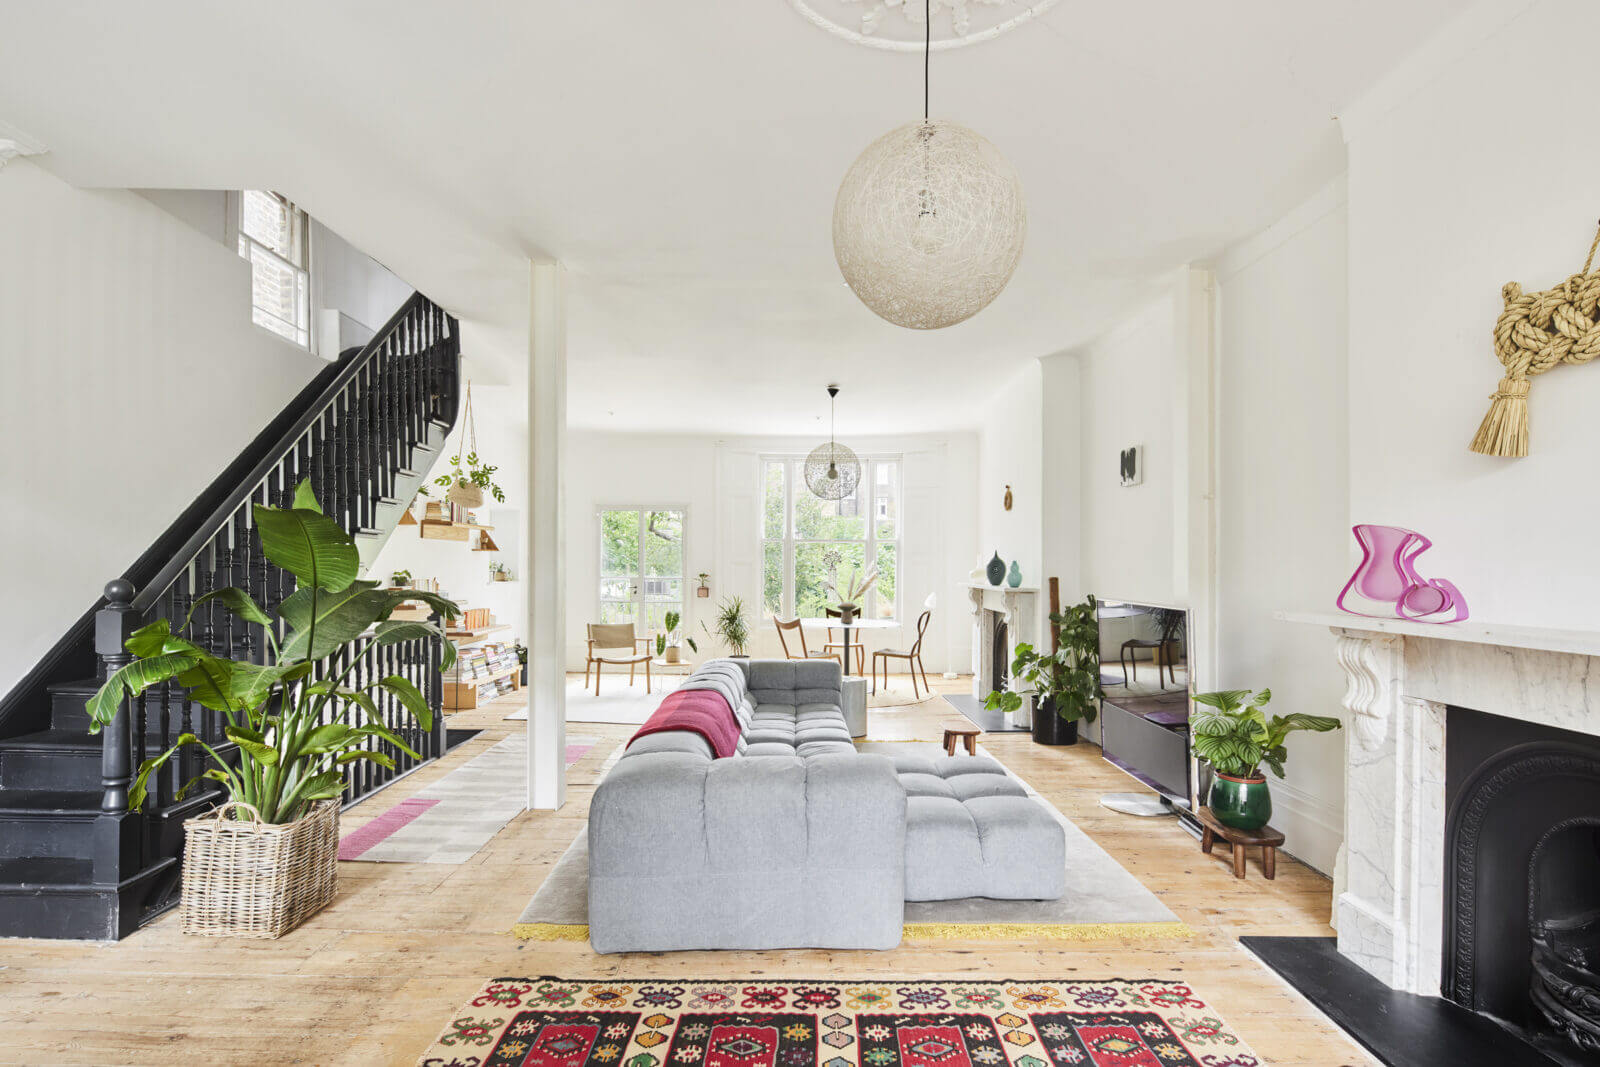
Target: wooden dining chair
[
  {"x": 912, "y": 656},
  {"x": 858, "y": 651},
  {"x": 793, "y": 625},
  {"x": 614, "y": 643}
]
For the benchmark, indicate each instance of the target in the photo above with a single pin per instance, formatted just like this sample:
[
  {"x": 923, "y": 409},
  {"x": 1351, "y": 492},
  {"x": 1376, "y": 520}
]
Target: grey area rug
[
  {"x": 461, "y": 812},
  {"x": 1102, "y": 898}
]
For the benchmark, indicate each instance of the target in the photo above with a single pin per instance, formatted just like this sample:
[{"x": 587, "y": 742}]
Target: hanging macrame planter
[
  {"x": 1535, "y": 332},
  {"x": 465, "y": 483}
]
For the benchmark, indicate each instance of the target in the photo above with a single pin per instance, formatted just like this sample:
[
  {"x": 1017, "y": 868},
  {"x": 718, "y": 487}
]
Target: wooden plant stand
[
  {"x": 1268, "y": 838},
  {"x": 961, "y": 735}
]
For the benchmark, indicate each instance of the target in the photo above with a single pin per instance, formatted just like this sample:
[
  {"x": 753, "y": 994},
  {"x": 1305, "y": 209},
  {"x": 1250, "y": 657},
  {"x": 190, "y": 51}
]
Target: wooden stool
[
  {"x": 1268, "y": 838},
  {"x": 954, "y": 735}
]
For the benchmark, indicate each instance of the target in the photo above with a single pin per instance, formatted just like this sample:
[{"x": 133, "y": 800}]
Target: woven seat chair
[
  {"x": 614, "y": 643},
  {"x": 912, "y": 656}
]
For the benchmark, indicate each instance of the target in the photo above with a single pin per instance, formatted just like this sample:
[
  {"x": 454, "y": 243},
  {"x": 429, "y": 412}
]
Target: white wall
[
  {"x": 717, "y": 481},
  {"x": 1011, "y": 452},
  {"x": 134, "y": 376},
  {"x": 500, "y": 414},
  {"x": 1282, "y": 484},
  {"x": 1445, "y": 208}
]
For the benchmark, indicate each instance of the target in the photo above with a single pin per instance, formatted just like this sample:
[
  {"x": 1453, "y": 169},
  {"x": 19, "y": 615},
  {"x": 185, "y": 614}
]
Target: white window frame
[
  {"x": 794, "y": 474},
  {"x": 248, "y": 246},
  {"x": 599, "y": 565}
]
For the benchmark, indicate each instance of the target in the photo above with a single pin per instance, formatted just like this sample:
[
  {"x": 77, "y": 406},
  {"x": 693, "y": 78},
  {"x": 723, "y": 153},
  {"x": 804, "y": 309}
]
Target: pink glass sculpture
[{"x": 1387, "y": 584}]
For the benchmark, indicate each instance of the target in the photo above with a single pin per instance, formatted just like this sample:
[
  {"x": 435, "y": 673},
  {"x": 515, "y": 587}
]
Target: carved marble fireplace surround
[
  {"x": 1401, "y": 677},
  {"x": 1019, "y": 610}
]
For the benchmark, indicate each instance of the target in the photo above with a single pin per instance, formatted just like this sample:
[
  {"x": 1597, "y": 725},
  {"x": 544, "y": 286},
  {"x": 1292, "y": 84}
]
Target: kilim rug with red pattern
[{"x": 552, "y": 1022}]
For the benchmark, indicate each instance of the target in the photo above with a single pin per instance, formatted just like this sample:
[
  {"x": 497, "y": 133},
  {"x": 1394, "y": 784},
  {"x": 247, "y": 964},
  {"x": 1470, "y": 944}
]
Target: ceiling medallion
[
  {"x": 929, "y": 221},
  {"x": 897, "y": 25}
]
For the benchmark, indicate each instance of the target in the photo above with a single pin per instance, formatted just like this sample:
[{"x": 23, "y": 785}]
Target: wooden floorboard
[{"x": 374, "y": 977}]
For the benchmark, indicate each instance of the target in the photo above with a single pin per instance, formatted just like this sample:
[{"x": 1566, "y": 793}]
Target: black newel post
[
  {"x": 116, "y": 834},
  {"x": 112, "y": 626}
]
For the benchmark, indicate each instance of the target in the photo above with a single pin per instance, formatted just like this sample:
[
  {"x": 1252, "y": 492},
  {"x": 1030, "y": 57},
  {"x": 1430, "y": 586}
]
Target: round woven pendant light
[
  {"x": 832, "y": 470},
  {"x": 929, "y": 223}
]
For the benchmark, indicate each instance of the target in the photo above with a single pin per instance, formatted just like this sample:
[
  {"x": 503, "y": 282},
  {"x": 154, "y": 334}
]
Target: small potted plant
[
  {"x": 704, "y": 589},
  {"x": 675, "y": 639},
  {"x": 1065, "y": 684},
  {"x": 1233, "y": 734},
  {"x": 499, "y": 572},
  {"x": 522, "y": 657},
  {"x": 400, "y": 579},
  {"x": 731, "y": 627}
]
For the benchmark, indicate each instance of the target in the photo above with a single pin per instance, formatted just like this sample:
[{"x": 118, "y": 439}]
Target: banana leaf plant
[{"x": 297, "y": 720}]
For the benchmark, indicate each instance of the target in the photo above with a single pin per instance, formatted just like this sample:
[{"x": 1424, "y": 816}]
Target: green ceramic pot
[{"x": 1242, "y": 803}]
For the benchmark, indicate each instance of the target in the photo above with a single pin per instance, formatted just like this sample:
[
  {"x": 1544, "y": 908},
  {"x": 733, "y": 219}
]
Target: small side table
[
  {"x": 1268, "y": 838},
  {"x": 958, "y": 735}
]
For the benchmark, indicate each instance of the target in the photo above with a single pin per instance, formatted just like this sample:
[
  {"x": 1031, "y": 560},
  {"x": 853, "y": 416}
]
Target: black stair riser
[
  {"x": 85, "y": 913},
  {"x": 65, "y": 769},
  {"x": 46, "y": 835}
]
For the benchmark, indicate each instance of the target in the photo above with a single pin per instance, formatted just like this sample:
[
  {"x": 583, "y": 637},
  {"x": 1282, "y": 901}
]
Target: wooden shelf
[
  {"x": 493, "y": 676},
  {"x": 463, "y": 696},
  {"x": 465, "y": 638}
]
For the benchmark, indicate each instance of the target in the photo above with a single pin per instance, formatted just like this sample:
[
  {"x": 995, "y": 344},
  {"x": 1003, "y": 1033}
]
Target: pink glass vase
[{"x": 1387, "y": 585}]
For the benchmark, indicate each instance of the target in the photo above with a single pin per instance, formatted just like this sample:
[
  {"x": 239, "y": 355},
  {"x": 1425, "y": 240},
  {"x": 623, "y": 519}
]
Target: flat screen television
[{"x": 1144, "y": 712}]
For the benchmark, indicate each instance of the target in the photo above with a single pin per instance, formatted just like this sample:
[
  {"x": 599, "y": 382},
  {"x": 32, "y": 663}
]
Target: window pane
[
  {"x": 772, "y": 577},
  {"x": 617, "y": 611},
  {"x": 772, "y": 503},
  {"x": 655, "y": 618},
  {"x": 619, "y": 542},
  {"x": 663, "y": 588},
  {"x": 815, "y": 564},
  {"x": 828, "y": 520},
  {"x": 269, "y": 221},
  {"x": 886, "y": 498},
  {"x": 663, "y": 543},
  {"x": 888, "y": 580}
]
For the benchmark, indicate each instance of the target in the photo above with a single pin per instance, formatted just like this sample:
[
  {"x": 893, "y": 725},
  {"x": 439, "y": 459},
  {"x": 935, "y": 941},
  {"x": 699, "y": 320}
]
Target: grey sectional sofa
[{"x": 799, "y": 841}]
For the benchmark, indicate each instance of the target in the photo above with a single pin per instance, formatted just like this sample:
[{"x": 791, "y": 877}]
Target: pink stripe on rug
[
  {"x": 359, "y": 840},
  {"x": 575, "y": 753}
]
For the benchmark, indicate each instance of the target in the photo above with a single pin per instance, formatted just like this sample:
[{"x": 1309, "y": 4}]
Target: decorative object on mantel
[
  {"x": 1014, "y": 578},
  {"x": 929, "y": 221},
  {"x": 1130, "y": 465},
  {"x": 1534, "y": 333},
  {"x": 705, "y": 585},
  {"x": 832, "y": 470},
  {"x": 466, "y": 484},
  {"x": 996, "y": 571},
  {"x": 1008, "y": 498},
  {"x": 1386, "y": 582},
  {"x": 1236, "y": 738},
  {"x": 1064, "y": 683}
]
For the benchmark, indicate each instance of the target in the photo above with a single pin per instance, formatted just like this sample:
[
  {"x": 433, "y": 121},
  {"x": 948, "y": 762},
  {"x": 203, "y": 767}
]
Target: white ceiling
[{"x": 681, "y": 159}]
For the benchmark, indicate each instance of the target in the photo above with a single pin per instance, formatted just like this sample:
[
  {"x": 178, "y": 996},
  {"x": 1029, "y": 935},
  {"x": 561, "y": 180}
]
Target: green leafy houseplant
[
  {"x": 400, "y": 579},
  {"x": 731, "y": 626},
  {"x": 673, "y": 620},
  {"x": 1068, "y": 679},
  {"x": 296, "y": 720},
  {"x": 1234, "y": 735},
  {"x": 471, "y": 471}
]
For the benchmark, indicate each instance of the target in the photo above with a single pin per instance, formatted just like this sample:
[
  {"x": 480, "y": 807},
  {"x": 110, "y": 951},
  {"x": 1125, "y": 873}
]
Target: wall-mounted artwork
[{"x": 1131, "y": 465}]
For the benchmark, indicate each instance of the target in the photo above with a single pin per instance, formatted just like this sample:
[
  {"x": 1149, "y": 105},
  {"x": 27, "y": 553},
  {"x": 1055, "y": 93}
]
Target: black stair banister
[{"x": 74, "y": 860}]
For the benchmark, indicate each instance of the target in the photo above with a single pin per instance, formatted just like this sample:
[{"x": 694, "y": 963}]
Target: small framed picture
[{"x": 1131, "y": 464}]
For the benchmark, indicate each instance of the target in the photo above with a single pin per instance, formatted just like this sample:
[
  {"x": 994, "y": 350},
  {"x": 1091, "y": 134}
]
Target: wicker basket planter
[
  {"x": 465, "y": 496},
  {"x": 258, "y": 879}
]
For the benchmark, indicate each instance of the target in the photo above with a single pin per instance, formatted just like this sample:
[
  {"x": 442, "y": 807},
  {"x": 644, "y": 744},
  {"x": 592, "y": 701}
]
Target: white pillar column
[{"x": 546, "y": 552}]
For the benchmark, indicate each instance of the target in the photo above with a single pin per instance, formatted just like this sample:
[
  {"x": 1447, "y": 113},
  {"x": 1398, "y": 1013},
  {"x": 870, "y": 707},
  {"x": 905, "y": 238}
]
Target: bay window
[{"x": 806, "y": 541}]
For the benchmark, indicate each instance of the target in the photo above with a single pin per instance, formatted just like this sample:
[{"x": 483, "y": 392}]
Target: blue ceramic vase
[
  {"x": 1014, "y": 579},
  {"x": 996, "y": 570}
]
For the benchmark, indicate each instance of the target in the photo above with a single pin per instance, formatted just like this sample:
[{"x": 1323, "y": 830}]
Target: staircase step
[
  {"x": 47, "y": 823},
  {"x": 59, "y": 759},
  {"x": 49, "y": 803},
  {"x": 57, "y": 897}
]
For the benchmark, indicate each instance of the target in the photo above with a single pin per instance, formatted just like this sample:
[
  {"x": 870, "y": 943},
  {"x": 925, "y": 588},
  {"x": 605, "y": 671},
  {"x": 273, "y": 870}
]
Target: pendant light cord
[{"x": 927, "y": 52}]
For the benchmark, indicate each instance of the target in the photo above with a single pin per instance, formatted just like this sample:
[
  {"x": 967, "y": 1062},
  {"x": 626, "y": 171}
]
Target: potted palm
[
  {"x": 1232, "y": 733},
  {"x": 1065, "y": 684},
  {"x": 266, "y": 860},
  {"x": 731, "y": 626}
]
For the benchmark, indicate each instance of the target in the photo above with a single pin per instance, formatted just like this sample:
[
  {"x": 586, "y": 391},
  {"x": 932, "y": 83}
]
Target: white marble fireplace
[
  {"x": 1401, "y": 678},
  {"x": 1019, "y": 609}
]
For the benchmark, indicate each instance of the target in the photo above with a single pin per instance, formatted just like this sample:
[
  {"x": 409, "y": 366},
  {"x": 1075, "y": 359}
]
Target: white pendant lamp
[
  {"x": 929, "y": 221},
  {"x": 832, "y": 470}
]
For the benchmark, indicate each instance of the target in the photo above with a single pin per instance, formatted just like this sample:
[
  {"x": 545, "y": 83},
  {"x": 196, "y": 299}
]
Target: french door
[{"x": 641, "y": 566}]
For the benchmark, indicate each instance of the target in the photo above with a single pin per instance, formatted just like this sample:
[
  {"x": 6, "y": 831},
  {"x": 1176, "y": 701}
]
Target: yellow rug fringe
[{"x": 944, "y": 931}]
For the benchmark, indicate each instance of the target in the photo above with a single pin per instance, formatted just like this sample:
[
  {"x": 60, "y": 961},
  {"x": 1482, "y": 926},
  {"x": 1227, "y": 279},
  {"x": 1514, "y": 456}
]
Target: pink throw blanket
[{"x": 703, "y": 711}]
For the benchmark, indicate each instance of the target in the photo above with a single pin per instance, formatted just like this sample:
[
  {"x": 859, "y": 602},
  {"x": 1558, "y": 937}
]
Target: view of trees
[
  {"x": 820, "y": 526},
  {"x": 660, "y": 584}
]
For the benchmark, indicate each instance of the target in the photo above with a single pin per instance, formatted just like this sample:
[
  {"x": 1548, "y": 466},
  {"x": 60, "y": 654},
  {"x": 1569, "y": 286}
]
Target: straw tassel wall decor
[{"x": 1534, "y": 333}]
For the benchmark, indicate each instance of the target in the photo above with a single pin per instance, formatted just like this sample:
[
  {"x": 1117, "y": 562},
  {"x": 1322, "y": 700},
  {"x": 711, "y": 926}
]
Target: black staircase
[{"x": 74, "y": 862}]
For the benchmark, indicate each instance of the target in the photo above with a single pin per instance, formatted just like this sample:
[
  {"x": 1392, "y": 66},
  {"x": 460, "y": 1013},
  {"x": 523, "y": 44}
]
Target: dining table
[{"x": 857, "y": 623}]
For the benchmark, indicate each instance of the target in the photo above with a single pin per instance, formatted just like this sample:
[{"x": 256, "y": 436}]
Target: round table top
[{"x": 858, "y": 624}]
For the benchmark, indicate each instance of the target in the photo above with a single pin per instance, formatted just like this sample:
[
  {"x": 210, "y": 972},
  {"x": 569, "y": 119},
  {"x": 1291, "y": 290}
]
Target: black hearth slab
[
  {"x": 1400, "y": 1029},
  {"x": 993, "y": 722}
]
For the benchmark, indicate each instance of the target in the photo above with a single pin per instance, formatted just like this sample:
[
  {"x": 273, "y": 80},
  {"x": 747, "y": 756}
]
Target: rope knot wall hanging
[{"x": 1535, "y": 332}]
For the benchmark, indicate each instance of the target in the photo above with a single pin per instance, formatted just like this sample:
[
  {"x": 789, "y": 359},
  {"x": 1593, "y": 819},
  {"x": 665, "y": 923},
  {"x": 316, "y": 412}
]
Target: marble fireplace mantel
[
  {"x": 1019, "y": 608},
  {"x": 1400, "y": 677}
]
